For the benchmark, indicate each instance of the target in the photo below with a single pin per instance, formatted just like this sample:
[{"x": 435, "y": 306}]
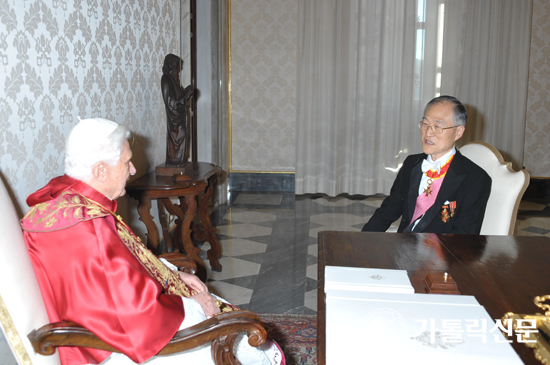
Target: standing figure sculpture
[{"x": 176, "y": 101}]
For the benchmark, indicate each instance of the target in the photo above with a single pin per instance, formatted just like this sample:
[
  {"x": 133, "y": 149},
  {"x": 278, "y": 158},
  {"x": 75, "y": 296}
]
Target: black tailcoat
[{"x": 465, "y": 183}]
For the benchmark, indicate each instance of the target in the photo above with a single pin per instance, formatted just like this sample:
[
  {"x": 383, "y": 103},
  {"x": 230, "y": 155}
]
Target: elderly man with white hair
[{"x": 93, "y": 270}]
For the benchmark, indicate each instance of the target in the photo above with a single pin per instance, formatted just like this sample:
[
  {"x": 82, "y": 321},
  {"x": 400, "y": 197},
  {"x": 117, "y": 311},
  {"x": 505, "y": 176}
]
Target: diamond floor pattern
[{"x": 270, "y": 252}]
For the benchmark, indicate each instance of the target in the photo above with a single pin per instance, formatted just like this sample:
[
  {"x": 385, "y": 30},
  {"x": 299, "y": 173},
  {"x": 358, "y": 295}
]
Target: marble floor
[{"x": 270, "y": 244}]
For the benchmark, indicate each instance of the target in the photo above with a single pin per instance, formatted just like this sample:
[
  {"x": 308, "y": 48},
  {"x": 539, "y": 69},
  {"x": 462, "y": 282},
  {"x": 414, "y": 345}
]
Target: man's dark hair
[{"x": 459, "y": 110}]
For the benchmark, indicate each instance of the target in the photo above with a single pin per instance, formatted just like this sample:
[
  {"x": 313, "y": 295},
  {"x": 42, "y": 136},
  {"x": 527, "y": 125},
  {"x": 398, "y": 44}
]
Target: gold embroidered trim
[
  {"x": 12, "y": 335},
  {"x": 70, "y": 207},
  {"x": 170, "y": 281}
]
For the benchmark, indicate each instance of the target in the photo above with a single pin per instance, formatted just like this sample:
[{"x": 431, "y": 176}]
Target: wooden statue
[{"x": 176, "y": 101}]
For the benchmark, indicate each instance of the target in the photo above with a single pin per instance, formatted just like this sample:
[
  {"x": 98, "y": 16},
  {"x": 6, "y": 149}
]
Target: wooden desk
[
  {"x": 504, "y": 273},
  {"x": 199, "y": 187}
]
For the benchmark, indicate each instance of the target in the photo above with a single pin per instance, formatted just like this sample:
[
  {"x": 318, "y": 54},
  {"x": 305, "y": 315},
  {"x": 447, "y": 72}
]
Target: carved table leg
[
  {"x": 163, "y": 218},
  {"x": 215, "y": 252},
  {"x": 179, "y": 212},
  {"x": 144, "y": 211},
  {"x": 192, "y": 252},
  {"x": 182, "y": 234}
]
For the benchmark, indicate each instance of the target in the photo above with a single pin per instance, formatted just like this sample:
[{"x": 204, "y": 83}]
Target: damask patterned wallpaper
[
  {"x": 537, "y": 132},
  {"x": 61, "y": 59},
  {"x": 264, "y": 39}
]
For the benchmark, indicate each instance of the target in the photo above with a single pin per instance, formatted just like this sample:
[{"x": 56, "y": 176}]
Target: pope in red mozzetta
[{"x": 93, "y": 270}]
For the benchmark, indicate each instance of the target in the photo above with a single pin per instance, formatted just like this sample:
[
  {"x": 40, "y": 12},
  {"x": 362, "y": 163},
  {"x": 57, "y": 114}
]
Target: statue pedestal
[{"x": 163, "y": 170}]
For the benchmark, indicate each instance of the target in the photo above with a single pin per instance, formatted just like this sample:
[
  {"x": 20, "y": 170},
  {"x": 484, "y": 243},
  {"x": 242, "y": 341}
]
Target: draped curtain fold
[
  {"x": 355, "y": 85},
  {"x": 486, "y": 66},
  {"x": 366, "y": 68}
]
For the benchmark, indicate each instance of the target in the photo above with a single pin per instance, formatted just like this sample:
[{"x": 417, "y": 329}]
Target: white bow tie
[{"x": 427, "y": 165}]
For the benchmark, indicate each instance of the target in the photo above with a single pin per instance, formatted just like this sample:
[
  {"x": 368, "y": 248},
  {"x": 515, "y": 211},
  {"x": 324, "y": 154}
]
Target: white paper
[
  {"x": 418, "y": 298},
  {"x": 365, "y": 279},
  {"x": 363, "y": 331}
]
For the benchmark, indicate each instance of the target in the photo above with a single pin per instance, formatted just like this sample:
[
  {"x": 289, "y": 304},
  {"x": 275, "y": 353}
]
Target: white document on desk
[
  {"x": 417, "y": 298},
  {"x": 365, "y": 279},
  {"x": 418, "y": 329}
]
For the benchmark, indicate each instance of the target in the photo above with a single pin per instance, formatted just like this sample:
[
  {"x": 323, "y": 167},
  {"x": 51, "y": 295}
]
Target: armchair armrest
[
  {"x": 64, "y": 333},
  {"x": 221, "y": 330},
  {"x": 181, "y": 261}
]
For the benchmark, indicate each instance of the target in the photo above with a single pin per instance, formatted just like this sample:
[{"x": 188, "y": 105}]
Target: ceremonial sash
[{"x": 425, "y": 201}]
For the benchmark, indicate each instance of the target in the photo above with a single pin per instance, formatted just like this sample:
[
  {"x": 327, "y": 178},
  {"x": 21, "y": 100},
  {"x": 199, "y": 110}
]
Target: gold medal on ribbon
[
  {"x": 445, "y": 215},
  {"x": 428, "y": 190}
]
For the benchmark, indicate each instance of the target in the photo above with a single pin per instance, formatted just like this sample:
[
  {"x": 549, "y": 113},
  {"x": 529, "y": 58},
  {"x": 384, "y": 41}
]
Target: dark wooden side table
[{"x": 196, "y": 190}]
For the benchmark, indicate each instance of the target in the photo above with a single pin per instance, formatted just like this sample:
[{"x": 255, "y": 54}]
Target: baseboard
[{"x": 253, "y": 181}]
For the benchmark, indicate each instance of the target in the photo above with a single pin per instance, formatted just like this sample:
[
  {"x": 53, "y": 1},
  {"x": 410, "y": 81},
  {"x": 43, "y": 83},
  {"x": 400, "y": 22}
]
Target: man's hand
[
  {"x": 207, "y": 302},
  {"x": 193, "y": 281}
]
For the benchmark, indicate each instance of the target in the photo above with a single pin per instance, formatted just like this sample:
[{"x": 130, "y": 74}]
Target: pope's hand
[
  {"x": 207, "y": 302},
  {"x": 193, "y": 281}
]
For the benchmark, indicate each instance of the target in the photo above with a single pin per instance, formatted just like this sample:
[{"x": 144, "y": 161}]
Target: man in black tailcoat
[{"x": 440, "y": 190}]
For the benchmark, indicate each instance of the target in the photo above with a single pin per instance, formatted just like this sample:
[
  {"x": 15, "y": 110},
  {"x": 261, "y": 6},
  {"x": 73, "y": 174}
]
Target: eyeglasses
[{"x": 436, "y": 128}]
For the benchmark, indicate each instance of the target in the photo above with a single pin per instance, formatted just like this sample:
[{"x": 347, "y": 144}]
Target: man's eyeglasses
[{"x": 436, "y": 128}]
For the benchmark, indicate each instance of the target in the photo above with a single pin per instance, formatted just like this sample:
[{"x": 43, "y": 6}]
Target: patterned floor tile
[
  {"x": 233, "y": 267},
  {"x": 334, "y": 202},
  {"x": 257, "y": 258},
  {"x": 244, "y": 230},
  {"x": 523, "y": 223},
  {"x": 311, "y": 271},
  {"x": 313, "y": 250},
  {"x": 232, "y": 293},
  {"x": 315, "y": 232},
  {"x": 261, "y": 239},
  {"x": 247, "y": 282},
  {"x": 238, "y": 246},
  {"x": 537, "y": 230},
  {"x": 248, "y": 216},
  {"x": 310, "y": 300},
  {"x": 524, "y": 205},
  {"x": 374, "y": 202},
  {"x": 335, "y": 222},
  {"x": 529, "y": 233},
  {"x": 311, "y": 260}
]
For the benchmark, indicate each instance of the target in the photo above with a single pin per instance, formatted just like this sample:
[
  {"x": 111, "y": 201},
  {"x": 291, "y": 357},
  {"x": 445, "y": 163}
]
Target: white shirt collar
[{"x": 443, "y": 158}]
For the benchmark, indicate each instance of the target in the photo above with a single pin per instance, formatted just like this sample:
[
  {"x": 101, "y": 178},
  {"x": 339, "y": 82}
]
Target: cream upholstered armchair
[
  {"x": 22, "y": 311},
  {"x": 21, "y": 305},
  {"x": 506, "y": 191}
]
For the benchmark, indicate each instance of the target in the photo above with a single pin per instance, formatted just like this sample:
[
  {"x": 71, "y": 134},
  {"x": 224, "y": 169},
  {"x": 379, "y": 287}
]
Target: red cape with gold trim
[{"x": 88, "y": 275}]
